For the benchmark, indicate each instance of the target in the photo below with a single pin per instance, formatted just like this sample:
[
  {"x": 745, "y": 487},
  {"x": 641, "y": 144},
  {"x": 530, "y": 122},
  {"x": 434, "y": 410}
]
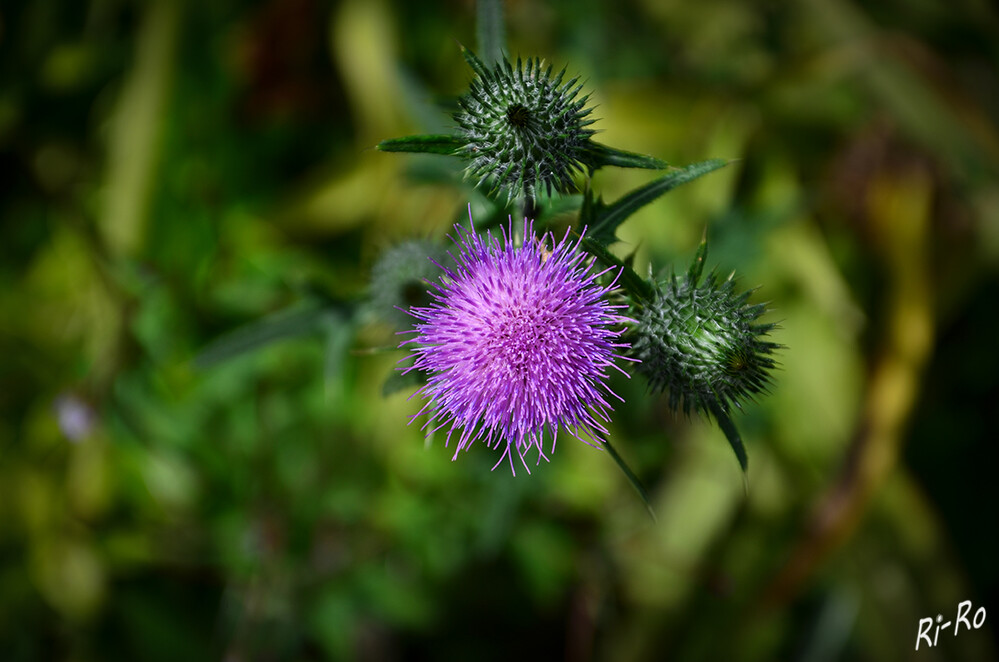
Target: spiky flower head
[
  {"x": 699, "y": 340},
  {"x": 517, "y": 343},
  {"x": 522, "y": 128}
]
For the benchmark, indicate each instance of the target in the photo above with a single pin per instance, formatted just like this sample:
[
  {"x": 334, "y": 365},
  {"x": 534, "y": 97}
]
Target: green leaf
[
  {"x": 732, "y": 434},
  {"x": 597, "y": 156},
  {"x": 279, "y": 326},
  {"x": 632, "y": 478},
  {"x": 430, "y": 144},
  {"x": 634, "y": 284},
  {"x": 603, "y": 220}
]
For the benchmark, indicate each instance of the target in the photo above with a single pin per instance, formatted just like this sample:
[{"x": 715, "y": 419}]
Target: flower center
[
  {"x": 518, "y": 116},
  {"x": 517, "y": 336}
]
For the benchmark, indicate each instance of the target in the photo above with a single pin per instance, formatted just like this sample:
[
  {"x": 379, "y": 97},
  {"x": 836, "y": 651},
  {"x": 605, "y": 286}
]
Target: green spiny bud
[
  {"x": 523, "y": 129},
  {"x": 399, "y": 279},
  {"x": 699, "y": 341}
]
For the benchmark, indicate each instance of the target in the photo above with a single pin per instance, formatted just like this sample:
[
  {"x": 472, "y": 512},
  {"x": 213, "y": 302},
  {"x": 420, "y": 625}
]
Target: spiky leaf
[
  {"x": 429, "y": 144},
  {"x": 597, "y": 156},
  {"x": 603, "y": 219}
]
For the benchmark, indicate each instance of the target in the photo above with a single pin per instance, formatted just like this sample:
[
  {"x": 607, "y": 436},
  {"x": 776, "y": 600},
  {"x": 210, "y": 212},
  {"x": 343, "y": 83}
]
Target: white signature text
[{"x": 963, "y": 609}]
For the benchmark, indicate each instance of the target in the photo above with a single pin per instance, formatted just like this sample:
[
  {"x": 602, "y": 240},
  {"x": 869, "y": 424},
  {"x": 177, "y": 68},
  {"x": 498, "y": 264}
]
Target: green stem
[
  {"x": 489, "y": 30},
  {"x": 530, "y": 208}
]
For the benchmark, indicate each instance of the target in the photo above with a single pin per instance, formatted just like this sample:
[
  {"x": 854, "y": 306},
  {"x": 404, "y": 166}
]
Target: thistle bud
[
  {"x": 699, "y": 341},
  {"x": 521, "y": 128},
  {"x": 522, "y": 131}
]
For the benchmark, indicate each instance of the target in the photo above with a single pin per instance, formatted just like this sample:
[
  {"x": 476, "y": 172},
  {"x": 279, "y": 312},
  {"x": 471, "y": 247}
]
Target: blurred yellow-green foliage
[{"x": 173, "y": 170}]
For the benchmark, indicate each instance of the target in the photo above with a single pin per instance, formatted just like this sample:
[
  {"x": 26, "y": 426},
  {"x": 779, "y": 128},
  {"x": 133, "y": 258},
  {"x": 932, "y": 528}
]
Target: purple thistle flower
[{"x": 516, "y": 344}]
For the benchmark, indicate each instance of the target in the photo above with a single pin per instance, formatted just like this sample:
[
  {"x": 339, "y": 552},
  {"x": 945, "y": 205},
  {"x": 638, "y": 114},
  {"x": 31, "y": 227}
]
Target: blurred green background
[{"x": 174, "y": 170}]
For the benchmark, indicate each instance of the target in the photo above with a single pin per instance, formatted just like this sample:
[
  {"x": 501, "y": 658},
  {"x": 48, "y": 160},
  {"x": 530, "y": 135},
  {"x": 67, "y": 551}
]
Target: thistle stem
[
  {"x": 530, "y": 208},
  {"x": 489, "y": 31}
]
